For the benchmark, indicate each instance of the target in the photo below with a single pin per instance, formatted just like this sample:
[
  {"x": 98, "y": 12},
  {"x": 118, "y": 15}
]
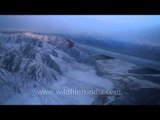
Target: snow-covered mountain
[
  {"x": 49, "y": 69},
  {"x": 31, "y": 60}
]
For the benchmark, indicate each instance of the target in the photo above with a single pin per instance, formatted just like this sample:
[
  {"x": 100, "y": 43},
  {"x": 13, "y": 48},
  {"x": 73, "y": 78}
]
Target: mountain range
[{"x": 51, "y": 69}]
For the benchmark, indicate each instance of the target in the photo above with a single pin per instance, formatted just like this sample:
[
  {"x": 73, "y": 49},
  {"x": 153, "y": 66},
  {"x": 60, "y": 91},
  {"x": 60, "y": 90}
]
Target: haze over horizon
[{"x": 122, "y": 27}]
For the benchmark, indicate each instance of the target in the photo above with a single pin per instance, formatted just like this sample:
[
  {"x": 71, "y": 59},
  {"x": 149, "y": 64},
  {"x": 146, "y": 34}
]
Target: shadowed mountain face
[
  {"x": 144, "y": 71},
  {"x": 137, "y": 49},
  {"x": 33, "y": 67},
  {"x": 26, "y": 55}
]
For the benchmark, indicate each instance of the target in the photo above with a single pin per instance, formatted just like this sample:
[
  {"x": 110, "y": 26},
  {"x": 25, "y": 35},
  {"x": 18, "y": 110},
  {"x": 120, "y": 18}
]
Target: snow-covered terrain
[{"x": 48, "y": 69}]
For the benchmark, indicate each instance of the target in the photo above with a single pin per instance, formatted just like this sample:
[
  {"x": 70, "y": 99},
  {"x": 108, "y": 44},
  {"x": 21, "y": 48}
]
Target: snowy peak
[
  {"x": 40, "y": 37},
  {"x": 36, "y": 56}
]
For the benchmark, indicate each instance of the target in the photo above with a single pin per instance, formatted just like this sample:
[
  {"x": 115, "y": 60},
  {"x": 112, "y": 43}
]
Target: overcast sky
[{"x": 106, "y": 25}]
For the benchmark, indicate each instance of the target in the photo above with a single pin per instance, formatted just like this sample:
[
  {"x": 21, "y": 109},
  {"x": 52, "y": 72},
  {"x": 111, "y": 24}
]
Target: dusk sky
[{"x": 105, "y": 25}]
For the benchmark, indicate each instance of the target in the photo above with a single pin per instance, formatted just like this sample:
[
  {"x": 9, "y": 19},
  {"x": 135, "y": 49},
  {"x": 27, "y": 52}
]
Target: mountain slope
[
  {"x": 37, "y": 61},
  {"x": 49, "y": 69}
]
